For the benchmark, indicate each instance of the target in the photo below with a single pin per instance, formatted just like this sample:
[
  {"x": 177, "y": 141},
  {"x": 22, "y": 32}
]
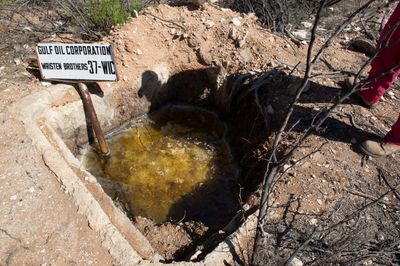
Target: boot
[
  {"x": 378, "y": 149},
  {"x": 348, "y": 82}
]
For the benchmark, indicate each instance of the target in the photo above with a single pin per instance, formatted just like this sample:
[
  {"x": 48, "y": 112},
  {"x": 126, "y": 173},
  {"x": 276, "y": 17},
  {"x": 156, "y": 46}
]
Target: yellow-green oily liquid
[{"x": 163, "y": 158}]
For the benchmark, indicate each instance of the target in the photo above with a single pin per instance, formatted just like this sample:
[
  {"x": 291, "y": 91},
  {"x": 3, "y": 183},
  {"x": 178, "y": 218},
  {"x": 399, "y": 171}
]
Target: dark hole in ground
[{"x": 173, "y": 164}]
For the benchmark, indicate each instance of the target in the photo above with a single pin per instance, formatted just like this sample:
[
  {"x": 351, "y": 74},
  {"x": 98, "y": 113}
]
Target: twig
[
  {"x": 305, "y": 243},
  {"x": 365, "y": 206},
  {"x": 317, "y": 121},
  {"x": 352, "y": 120},
  {"x": 269, "y": 175},
  {"x": 382, "y": 175},
  {"x": 360, "y": 194},
  {"x": 167, "y": 22},
  {"x": 329, "y": 65},
  {"x": 320, "y": 233}
]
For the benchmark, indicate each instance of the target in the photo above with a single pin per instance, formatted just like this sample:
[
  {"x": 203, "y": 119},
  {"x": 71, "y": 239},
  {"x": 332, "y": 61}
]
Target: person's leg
[
  {"x": 389, "y": 145},
  {"x": 374, "y": 90},
  {"x": 386, "y": 59},
  {"x": 393, "y": 136}
]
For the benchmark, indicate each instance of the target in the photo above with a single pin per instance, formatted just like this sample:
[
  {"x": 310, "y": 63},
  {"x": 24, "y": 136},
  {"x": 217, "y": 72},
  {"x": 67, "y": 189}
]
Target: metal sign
[{"x": 93, "y": 62}]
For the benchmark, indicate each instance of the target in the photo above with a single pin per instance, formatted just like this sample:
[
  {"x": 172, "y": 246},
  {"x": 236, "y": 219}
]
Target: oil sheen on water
[{"x": 173, "y": 164}]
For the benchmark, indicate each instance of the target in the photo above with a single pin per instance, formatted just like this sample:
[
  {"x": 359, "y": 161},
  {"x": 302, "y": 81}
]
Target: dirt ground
[{"x": 38, "y": 222}]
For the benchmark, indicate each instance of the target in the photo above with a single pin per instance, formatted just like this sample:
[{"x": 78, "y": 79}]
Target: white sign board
[{"x": 76, "y": 61}]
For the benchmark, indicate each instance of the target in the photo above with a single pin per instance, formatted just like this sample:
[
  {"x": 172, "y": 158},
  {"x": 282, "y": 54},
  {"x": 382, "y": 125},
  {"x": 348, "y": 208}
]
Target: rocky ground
[{"x": 40, "y": 225}]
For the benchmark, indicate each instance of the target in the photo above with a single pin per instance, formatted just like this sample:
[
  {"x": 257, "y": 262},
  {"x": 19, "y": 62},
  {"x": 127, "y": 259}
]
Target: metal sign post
[
  {"x": 94, "y": 121},
  {"x": 77, "y": 63}
]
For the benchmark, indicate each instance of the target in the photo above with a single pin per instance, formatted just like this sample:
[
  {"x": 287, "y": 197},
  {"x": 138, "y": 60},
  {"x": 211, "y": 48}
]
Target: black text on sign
[{"x": 76, "y": 62}]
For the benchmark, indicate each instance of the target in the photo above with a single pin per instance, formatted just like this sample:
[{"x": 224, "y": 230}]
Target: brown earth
[{"x": 40, "y": 225}]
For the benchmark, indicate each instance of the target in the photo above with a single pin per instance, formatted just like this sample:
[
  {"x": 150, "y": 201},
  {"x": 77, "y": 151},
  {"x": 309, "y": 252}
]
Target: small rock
[
  {"x": 26, "y": 28},
  {"x": 353, "y": 141},
  {"x": 386, "y": 199},
  {"x": 300, "y": 34},
  {"x": 313, "y": 221},
  {"x": 13, "y": 197},
  {"x": 246, "y": 55},
  {"x": 17, "y": 61},
  {"x": 31, "y": 190},
  {"x": 391, "y": 95},
  {"x": 209, "y": 24},
  {"x": 368, "y": 262},
  {"x": 139, "y": 52},
  {"x": 90, "y": 179},
  {"x": 172, "y": 31},
  {"x": 286, "y": 166},
  {"x": 195, "y": 255},
  {"x": 242, "y": 42},
  {"x": 380, "y": 236},
  {"x": 295, "y": 262},
  {"x": 157, "y": 258},
  {"x": 46, "y": 83},
  {"x": 306, "y": 24},
  {"x": 236, "y": 21},
  {"x": 363, "y": 45},
  {"x": 232, "y": 33}
]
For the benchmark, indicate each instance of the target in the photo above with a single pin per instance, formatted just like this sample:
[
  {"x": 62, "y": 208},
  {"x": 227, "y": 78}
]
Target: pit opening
[
  {"x": 221, "y": 123},
  {"x": 165, "y": 165}
]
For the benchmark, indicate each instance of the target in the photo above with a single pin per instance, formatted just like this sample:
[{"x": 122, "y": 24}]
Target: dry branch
[{"x": 274, "y": 166}]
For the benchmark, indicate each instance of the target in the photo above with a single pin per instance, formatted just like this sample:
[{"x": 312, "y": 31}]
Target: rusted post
[{"x": 94, "y": 121}]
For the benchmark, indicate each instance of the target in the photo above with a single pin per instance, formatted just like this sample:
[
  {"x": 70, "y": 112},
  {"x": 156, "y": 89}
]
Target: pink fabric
[
  {"x": 393, "y": 136},
  {"x": 386, "y": 59}
]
